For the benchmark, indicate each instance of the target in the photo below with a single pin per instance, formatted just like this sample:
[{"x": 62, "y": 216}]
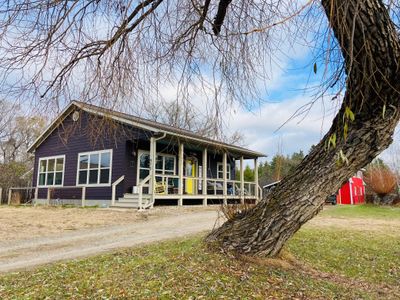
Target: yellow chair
[{"x": 160, "y": 188}]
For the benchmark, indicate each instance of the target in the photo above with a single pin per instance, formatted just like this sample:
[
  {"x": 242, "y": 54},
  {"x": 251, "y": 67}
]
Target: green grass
[
  {"x": 337, "y": 264},
  {"x": 363, "y": 211},
  {"x": 176, "y": 269},
  {"x": 369, "y": 256}
]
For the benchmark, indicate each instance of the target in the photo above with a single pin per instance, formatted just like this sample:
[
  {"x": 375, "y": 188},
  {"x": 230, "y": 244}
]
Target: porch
[{"x": 190, "y": 180}]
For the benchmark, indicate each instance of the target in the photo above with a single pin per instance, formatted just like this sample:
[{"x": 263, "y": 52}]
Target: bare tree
[
  {"x": 180, "y": 114},
  {"x": 19, "y": 133},
  {"x": 114, "y": 51},
  {"x": 6, "y": 115}
]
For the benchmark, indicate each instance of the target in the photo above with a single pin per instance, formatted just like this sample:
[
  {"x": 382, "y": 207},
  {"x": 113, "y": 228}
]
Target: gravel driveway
[{"x": 28, "y": 253}]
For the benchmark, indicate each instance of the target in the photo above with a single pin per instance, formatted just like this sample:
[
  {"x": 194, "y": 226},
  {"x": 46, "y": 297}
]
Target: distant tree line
[
  {"x": 275, "y": 169},
  {"x": 279, "y": 167}
]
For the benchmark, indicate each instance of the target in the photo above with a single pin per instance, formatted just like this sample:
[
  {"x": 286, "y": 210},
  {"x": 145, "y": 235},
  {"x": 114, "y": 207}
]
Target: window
[
  {"x": 51, "y": 171},
  {"x": 94, "y": 168},
  {"x": 220, "y": 171},
  {"x": 165, "y": 164},
  {"x": 144, "y": 165}
]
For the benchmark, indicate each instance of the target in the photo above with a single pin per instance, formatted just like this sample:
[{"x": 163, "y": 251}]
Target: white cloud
[{"x": 261, "y": 128}]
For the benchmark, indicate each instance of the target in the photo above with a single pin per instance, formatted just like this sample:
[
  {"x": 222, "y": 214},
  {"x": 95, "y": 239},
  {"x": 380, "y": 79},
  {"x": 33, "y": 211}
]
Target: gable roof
[{"x": 139, "y": 123}]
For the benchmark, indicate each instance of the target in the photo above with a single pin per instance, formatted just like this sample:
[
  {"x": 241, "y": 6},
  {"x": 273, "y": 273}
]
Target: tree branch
[{"x": 220, "y": 16}]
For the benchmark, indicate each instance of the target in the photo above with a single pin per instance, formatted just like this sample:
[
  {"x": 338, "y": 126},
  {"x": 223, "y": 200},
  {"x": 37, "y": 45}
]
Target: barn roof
[{"x": 142, "y": 123}]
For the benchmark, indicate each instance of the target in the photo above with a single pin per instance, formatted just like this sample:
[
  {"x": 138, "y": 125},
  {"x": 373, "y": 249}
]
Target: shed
[{"x": 352, "y": 192}]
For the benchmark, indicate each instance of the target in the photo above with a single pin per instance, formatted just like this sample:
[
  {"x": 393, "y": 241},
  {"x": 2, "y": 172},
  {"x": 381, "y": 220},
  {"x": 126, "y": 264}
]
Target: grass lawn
[
  {"x": 363, "y": 211},
  {"x": 316, "y": 264}
]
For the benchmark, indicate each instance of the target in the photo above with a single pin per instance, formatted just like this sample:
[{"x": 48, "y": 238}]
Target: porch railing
[
  {"x": 140, "y": 194},
  {"x": 51, "y": 190},
  {"x": 169, "y": 185},
  {"x": 166, "y": 184},
  {"x": 114, "y": 188},
  {"x": 28, "y": 197}
]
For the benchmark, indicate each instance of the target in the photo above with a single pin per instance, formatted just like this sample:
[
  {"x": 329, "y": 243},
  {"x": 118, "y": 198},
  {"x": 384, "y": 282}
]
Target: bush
[
  {"x": 230, "y": 211},
  {"x": 381, "y": 180}
]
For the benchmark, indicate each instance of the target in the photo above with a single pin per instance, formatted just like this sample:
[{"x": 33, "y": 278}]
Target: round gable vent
[{"x": 75, "y": 116}]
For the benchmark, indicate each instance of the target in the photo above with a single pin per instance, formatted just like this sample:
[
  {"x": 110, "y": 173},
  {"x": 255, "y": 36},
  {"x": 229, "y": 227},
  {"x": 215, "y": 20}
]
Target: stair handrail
[
  {"x": 114, "y": 188},
  {"x": 140, "y": 192}
]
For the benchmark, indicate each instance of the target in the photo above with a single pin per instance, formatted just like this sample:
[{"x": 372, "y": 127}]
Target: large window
[
  {"x": 94, "y": 168},
  {"x": 165, "y": 164},
  {"x": 51, "y": 171},
  {"x": 220, "y": 171},
  {"x": 144, "y": 165}
]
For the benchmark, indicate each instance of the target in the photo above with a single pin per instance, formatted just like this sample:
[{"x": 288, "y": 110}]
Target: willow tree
[{"x": 116, "y": 52}]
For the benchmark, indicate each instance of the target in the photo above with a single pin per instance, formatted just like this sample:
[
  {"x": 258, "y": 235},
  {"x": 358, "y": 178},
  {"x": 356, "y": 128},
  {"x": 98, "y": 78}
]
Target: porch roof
[{"x": 156, "y": 127}]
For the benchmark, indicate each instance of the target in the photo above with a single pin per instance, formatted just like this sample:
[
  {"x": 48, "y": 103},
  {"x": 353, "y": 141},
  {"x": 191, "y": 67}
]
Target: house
[
  {"x": 353, "y": 191},
  {"x": 270, "y": 186},
  {"x": 94, "y": 156}
]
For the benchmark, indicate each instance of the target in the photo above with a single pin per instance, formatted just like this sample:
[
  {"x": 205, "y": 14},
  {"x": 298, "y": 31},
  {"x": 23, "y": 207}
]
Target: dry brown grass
[{"x": 19, "y": 222}]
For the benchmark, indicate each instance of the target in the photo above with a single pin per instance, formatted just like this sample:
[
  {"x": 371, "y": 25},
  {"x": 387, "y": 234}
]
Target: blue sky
[{"x": 290, "y": 89}]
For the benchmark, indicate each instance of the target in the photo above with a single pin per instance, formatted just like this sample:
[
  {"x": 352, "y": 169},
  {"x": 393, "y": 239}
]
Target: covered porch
[{"x": 202, "y": 173}]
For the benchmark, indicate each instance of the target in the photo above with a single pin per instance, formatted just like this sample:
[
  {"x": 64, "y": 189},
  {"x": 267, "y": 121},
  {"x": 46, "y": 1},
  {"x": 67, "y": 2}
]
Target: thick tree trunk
[{"x": 371, "y": 49}]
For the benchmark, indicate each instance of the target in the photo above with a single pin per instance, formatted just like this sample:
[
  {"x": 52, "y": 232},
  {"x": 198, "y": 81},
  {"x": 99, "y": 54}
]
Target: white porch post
[
  {"x": 241, "y": 180},
  {"x": 180, "y": 171},
  {"x": 205, "y": 176},
  {"x": 153, "y": 152},
  {"x": 225, "y": 186},
  {"x": 256, "y": 179},
  {"x": 1, "y": 195}
]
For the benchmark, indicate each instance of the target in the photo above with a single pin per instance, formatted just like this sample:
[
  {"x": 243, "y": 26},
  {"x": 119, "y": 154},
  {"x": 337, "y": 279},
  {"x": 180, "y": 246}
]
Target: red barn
[{"x": 352, "y": 192}]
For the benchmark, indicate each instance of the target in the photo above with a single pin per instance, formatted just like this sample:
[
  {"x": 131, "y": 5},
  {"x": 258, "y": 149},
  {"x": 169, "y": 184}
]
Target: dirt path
[{"x": 27, "y": 253}]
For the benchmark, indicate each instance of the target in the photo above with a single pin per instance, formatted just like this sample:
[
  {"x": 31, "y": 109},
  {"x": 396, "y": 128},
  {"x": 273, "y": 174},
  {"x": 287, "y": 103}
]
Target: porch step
[
  {"x": 128, "y": 196},
  {"x": 131, "y": 201},
  {"x": 124, "y": 205}
]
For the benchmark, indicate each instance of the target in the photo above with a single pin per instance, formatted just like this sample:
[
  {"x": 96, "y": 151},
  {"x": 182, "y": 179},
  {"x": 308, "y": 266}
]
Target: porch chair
[{"x": 160, "y": 188}]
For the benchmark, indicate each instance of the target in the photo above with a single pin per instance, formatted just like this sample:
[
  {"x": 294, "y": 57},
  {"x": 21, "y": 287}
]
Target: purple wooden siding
[
  {"x": 213, "y": 160},
  {"x": 72, "y": 138}
]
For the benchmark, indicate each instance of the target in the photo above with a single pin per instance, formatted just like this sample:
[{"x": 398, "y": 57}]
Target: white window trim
[
  {"x": 98, "y": 175},
  {"x": 140, "y": 152},
  {"x": 38, "y": 171},
  {"x": 228, "y": 170}
]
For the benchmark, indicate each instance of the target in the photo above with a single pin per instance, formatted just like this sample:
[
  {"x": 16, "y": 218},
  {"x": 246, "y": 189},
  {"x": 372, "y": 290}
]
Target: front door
[{"x": 190, "y": 171}]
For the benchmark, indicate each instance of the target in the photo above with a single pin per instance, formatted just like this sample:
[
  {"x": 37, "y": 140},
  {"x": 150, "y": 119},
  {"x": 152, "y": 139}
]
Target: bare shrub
[
  {"x": 16, "y": 198},
  {"x": 230, "y": 211},
  {"x": 381, "y": 180}
]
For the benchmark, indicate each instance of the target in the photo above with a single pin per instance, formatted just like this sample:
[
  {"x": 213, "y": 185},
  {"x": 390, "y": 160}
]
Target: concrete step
[
  {"x": 133, "y": 196},
  {"x": 128, "y": 200},
  {"x": 133, "y": 200},
  {"x": 125, "y": 205}
]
